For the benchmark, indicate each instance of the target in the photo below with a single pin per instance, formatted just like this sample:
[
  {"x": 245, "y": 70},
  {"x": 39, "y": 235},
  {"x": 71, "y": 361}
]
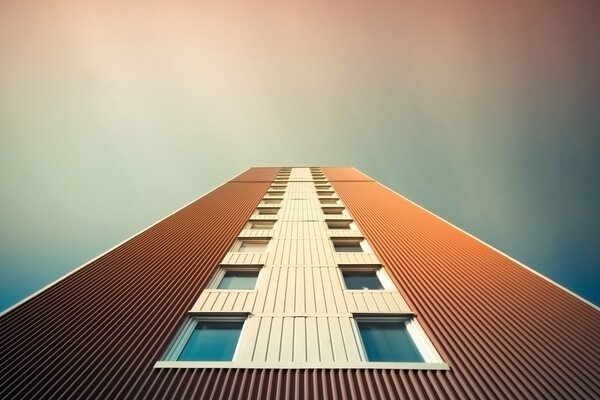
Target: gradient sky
[{"x": 113, "y": 114}]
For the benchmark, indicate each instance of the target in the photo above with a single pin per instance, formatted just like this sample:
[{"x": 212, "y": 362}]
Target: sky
[{"x": 113, "y": 114}]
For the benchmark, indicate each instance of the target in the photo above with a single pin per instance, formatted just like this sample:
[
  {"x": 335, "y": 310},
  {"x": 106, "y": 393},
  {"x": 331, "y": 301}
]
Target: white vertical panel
[
  {"x": 282, "y": 291},
  {"x": 290, "y": 298},
  {"x": 309, "y": 291},
  {"x": 325, "y": 348},
  {"x": 220, "y": 301},
  {"x": 230, "y": 299},
  {"x": 248, "y": 339},
  {"x": 262, "y": 290},
  {"x": 300, "y": 311},
  {"x": 275, "y": 337},
  {"x": 300, "y": 348},
  {"x": 337, "y": 340},
  {"x": 351, "y": 340},
  {"x": 300, "y": 290},
  {"x": 312, "y": 340},
  {"x": 287, "y": 340},
  {"x": 272, "y": 291},
  {"x": 319, "y": 294},
  {"x": 262, "y": 339}
]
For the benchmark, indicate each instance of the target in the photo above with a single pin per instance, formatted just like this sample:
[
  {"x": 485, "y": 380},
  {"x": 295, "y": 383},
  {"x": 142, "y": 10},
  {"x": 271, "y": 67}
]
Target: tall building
[{"x": 301, "y": 283}]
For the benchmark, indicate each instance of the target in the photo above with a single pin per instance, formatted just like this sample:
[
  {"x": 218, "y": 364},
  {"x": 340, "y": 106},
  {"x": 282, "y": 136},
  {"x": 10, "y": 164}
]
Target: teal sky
[{"x": 113, "y": 115}]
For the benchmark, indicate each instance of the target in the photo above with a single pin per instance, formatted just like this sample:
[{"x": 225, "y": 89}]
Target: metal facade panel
[
  {"x": 257, "y": 174},
  {"x": 98, "y": 332},
  {"x": 298, "y": 312},
  {"x": 504, "y": 331},
  {"x": 340, "y": 174}
]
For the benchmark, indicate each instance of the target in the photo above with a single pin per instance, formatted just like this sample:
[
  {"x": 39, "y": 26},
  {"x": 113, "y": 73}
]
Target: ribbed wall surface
[
  {"x": 505, "y": 332},
  {"x": 98, "y": 333}
]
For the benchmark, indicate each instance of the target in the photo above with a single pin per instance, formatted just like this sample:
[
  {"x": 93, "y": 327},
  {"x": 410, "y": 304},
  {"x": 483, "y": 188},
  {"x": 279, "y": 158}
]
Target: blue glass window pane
[
  {"x": 388, "y": 341},
  {"x": 362, "y": 280},
  {"x": 238, "y": 280},
  {"x": 212, "y": 341}
]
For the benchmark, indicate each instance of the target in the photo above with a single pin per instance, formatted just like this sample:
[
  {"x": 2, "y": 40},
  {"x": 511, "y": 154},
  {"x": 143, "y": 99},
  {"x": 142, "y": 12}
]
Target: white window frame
[
  {"x": 431, "y": 357},
  {"x": 270, "y": 210},
  {"x": 223, "y": 269},
  {"x": 325, "y": 193},
  {"x": 240, "y": 241},
  {"x": 380, "y": 272},
  {"x": 361, "y": 241},
  {"x": 270, "y": 202},
  {"x": 173, "y": 351},
  {"x": 351, "y": 224},
  {"x": 338, "y": 207},
  {"x": 271, "y": 222},
  {"x": 330, "y": 201}
]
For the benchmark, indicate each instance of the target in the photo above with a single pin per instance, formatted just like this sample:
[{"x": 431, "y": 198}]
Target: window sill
[{"x": 303, "y": 365}]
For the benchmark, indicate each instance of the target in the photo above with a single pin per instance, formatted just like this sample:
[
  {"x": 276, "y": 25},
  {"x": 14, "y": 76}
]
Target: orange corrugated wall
[{"x": 505, "y": 332}]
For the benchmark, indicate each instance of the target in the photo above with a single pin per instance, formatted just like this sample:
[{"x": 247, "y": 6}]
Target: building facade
[{"x": 301, "y": 283}]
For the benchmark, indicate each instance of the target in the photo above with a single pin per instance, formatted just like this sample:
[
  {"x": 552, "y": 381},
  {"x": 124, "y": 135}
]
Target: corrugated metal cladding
[
  {"x": 300, "y": 313},
  {"x": 97, "y": 334},
  {"x": 505, "y": 332}
]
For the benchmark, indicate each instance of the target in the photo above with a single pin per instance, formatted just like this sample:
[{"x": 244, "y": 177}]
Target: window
[
  {"x": 278, "y": 187},
  {"x": 253, "y": 246},
  {"x": 276, "y": 193},
  {"x": 207, "y": 339},
  {"x": 272, "y": 201},
  {"x": 261, "y": 225},
  {"x": 328, "y": 201},
  {"x": 268, "y": 211},
  {"x": 238, "y": 280},
  {"x": 349, "y": 246},
  {"x": 361, "y": 280},
  {"x": 333, "y": 210},
  {"x": 322, "y": 187},
  {"x": 388, "y": 340},
  {"x": 340, "y": 225},
  {"x": 366, "y": 277},
  {"x": 325, "y": 193}
]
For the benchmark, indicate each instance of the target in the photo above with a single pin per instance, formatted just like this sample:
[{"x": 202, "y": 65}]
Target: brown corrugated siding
[
  {"x": 505, "y": 332},
  {"x": 98, "y": 332},
  {"x": 257, "y": 174},
  {"x": 340, "y": 174}
]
